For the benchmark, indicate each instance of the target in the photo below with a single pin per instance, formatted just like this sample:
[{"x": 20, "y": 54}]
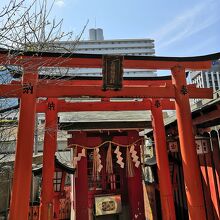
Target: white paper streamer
[
  {"x": 99, "y": 162},
  {"x": 134, "y": 156},
  {"x": 78, "y": 158},
  {"x": 119, "y": 157}
]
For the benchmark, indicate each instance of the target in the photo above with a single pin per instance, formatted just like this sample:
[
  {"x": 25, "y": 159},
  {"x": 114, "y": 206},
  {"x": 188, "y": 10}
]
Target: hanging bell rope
[
  {"x": 109, "y": 166},
  {"x": 95, "y": 165},
  {"x": 129, "y": 164}
]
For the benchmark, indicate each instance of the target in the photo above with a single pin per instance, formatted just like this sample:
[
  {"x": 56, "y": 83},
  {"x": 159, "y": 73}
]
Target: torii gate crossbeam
[
  {"x": 47, "y": 59},
  {"x": 60, "y": 90},
  {"x": 64, "y": 106}
]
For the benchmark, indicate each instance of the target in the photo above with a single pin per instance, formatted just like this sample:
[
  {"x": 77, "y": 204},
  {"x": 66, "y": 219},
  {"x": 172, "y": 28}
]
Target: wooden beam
[
  {"x": 64, "y": 106},
  {"x": 210, "y": 116},
  {"x": 127, "y": 91},
  {"x": 10, "y": 91},
  {"x": 166, "y": 65},
  {"x": 203, "y": 93},
  {"x": 96, "y": 91},
  {"x": 97, "y": 63},
  {"x": 100, "y": 82},
  {"x": 58, "y": 91}
]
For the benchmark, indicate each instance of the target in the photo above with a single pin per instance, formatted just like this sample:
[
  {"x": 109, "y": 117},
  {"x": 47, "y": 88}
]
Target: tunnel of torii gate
[{"x": 155, "y": 98}]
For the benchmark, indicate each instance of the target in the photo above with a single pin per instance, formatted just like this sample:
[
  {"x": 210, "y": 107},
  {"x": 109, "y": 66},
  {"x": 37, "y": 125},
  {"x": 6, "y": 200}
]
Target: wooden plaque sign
[
  {"x": 112, "y": 72},
  {"x": 107, "y": 204}
]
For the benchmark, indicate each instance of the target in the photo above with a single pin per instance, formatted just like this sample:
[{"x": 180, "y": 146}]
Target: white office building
[
  {"x": 97, "y": 45},
  {"x": 209, "y": 78}
]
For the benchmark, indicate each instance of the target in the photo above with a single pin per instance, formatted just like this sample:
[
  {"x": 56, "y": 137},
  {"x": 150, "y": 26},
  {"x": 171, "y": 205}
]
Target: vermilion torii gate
[
  {"x": 30, "y": 89},
  {"x": 52, "y": 106}
]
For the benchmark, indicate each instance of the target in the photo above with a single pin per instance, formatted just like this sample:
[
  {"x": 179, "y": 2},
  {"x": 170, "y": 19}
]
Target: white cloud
[
  {"x": 188, "y": 23},
  {"x": 59, "y": 3}
]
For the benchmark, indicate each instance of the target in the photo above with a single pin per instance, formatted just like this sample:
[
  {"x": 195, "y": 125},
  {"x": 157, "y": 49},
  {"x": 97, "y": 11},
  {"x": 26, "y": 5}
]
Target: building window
[{"x": 57, "y": 181}]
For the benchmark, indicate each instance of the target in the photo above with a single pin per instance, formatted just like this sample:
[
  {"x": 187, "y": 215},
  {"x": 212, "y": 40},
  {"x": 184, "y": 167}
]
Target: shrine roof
[
  {"x": 59, "y": 163},
  {"x": 105, "y": 120},
  {"x": 104, "y": 116}
]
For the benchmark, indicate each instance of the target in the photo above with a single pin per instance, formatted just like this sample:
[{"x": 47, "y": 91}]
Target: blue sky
[{"x": 179, "y": 27}]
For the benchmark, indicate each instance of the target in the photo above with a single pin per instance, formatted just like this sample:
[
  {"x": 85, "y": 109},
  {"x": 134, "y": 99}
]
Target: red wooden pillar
[
  {"x": 193, "y": 185},
  {"x": 24, "y": 149},
  {"x": 135, "y": 186},
  {"x": 50, "y": 146},
  {"x": 166, "y": 192},
  {"x": 82, "y": 190},
  {"x": 81, "y": 182}
]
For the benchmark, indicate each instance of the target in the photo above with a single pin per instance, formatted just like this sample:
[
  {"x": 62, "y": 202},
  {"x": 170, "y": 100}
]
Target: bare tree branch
[{"x": 25, "y": 26}]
